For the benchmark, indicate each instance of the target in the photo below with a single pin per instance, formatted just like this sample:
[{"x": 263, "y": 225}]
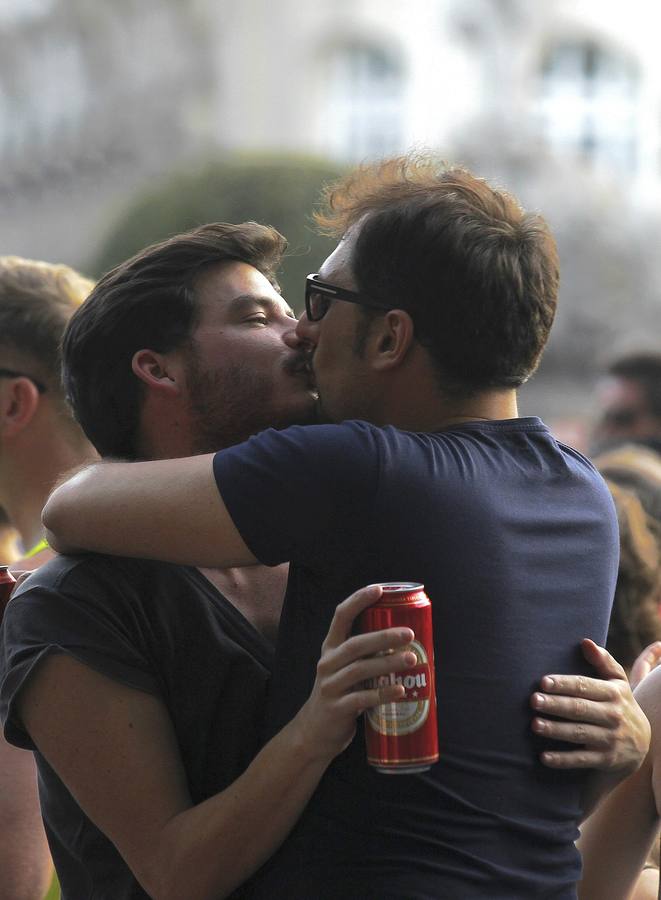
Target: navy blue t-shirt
[{"x": 515, "y": 539}]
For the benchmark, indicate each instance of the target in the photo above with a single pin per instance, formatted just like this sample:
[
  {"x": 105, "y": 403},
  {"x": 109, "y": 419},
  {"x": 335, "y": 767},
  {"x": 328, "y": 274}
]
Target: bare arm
[
  {"x": 167, "y": 509},
  {"x": 600, "y": 715},
  {"x": 24, "y": 858},
  {"x": 616, "y": 839},
  {"x": 115, "y": 749}
]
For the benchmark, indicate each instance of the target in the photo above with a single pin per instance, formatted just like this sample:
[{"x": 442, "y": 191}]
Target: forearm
[
  {"x": 616, "y": 839},
  {"x": 167, "y": 509},
  {"x": 599, "y": 785},
  {"x": 24, "y": 858},
  {"x": 208, "y": 850}
]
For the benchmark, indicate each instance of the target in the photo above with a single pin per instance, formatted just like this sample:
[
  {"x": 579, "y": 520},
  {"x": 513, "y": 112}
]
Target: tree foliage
[{"x": 278, "y": 191}]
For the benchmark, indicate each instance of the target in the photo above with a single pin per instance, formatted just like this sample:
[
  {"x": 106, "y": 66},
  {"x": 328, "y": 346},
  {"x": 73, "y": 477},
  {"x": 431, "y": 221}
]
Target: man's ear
[
  {"x": 19, "y": 399},
  {"x": 393, "y": 339},
  {"x": 158, "y": 370}
]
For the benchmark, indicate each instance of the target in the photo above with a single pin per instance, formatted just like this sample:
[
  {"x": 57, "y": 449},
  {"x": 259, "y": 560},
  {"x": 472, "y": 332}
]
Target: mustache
[{"x": 300, "y": 362}]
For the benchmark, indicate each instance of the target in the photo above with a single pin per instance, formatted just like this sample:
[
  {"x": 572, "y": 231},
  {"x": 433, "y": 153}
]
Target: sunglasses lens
[{"x": 319, "y": 304}]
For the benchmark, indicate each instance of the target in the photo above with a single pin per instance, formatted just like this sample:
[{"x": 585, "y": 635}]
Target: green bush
[{"x": 279, "y": 191}]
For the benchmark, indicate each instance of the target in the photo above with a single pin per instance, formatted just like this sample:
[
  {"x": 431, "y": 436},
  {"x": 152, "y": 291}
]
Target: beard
[{"x": 227, "y": 408}]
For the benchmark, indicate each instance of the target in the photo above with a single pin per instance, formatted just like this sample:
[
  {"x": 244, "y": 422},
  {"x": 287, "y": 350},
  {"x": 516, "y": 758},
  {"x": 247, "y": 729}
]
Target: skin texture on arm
[
  {"x": 600, "y": 715},
  {"x": 115, "y": 749},
  {"x": 25, "y": 861},
  {"x": 168, "y": 510},
  {"x": 616, "y": 839}
]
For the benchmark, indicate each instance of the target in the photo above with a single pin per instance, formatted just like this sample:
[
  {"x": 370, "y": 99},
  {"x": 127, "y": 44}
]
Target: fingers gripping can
[{"x": 402, "y": 737}]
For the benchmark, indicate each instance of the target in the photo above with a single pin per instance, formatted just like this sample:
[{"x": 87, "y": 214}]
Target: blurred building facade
[
  {"x": 357, "y": 78},
  {"x": 99, "y": 99}
]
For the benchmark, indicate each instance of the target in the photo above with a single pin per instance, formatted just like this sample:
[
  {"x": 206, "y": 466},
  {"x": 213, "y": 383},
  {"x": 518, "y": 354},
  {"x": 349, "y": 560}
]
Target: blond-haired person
[{"x": 39, "y": 440}]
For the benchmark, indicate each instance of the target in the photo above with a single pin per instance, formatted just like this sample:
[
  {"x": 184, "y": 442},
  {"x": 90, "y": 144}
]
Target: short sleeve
[
  {"x": 287, "y": 491},
  {"x": 89, "y": 618}
]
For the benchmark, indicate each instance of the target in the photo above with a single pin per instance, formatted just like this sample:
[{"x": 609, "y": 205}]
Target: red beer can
[
  {"x": 7, "y": 582},
  {"x": 402, "y": 737}
]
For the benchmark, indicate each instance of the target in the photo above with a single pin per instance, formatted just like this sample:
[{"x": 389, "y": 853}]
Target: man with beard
[
  {"x": 435, "y": 306},
  {"x": 177, "y": 351}
]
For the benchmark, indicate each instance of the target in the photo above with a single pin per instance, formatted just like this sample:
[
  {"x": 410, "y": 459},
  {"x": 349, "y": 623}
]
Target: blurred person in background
[
  {"x": 635, "y": 621},
  {"x": 629, "y": 401},
  {"x": 613, "y": 860},
  {"x": 637, "y": 469},
  {"x": 39, "y": 441}
]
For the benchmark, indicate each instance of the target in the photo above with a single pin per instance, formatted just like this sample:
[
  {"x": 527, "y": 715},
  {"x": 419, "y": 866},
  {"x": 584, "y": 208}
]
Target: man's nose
[{"x": 301, "y": 335}]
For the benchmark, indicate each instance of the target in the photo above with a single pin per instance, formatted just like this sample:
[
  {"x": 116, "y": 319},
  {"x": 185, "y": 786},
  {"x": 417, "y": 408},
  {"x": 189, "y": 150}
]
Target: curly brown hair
[{"x": 635, "y": 621}]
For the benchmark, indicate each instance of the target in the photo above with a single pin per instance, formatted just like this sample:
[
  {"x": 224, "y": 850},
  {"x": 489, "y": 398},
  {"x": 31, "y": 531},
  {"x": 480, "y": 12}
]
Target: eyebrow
[{"x": 244, "y": 300}]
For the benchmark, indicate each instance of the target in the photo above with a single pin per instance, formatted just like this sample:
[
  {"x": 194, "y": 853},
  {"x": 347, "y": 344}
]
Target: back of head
[
  {"x": 37, "y": 300},
  {"x": 147, "y": 302},
  {"x": 478, "y": 274}
]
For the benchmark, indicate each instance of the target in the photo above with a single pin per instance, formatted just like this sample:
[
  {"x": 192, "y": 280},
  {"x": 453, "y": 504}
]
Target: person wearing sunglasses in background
[
  {"x": 39, "y": 441},
  {"x": 629, "y": 404},
  {"x": 435, "y": 306}
]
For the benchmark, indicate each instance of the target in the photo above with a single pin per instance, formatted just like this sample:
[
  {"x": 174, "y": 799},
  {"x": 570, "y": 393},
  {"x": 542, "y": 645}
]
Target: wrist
[{"x": 305, "y": 742}]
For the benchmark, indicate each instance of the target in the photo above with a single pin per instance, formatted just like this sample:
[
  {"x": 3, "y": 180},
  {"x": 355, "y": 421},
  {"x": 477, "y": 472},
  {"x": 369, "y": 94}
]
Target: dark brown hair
[
  {"x": 478, "y": 274},
  {"x": 147, "y": 302}
]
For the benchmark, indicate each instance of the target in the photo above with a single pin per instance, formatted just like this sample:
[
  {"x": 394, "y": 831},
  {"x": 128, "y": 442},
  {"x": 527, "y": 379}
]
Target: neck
[
  {"x": 432, "y": 412},
  {"x": 30, "y": 470},
  {"x": 485, "y": 407}
]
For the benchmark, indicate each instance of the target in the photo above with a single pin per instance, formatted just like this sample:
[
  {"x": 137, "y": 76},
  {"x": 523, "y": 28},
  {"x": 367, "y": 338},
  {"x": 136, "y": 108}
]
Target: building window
[
  {"x": 365, "y": 100},
  {"x": 589, "y": 100}
]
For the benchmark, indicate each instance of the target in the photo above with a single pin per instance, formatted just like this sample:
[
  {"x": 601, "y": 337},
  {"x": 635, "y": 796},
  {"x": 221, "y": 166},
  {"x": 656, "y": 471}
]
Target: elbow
[
  {"x": 61, "y": 518},
  {"x": 54, "y": 524}
]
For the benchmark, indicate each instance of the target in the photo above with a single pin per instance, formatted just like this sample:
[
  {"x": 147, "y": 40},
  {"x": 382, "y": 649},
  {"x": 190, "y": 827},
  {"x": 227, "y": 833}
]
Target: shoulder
[
  {"x": 324, "y": 437},
  {"x": 301, "y": 452},
  {"x": 90, "y": 582}
]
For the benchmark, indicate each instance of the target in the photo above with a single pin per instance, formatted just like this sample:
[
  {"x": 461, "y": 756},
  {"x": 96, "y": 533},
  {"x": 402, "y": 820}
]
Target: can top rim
[{"x": 399, "y": 587}]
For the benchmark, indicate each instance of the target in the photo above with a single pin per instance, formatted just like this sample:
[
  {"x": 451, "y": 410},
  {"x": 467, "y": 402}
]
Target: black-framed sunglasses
[
  {"x": 10, "y": 373},
  {"x": 319, "y": 295}
]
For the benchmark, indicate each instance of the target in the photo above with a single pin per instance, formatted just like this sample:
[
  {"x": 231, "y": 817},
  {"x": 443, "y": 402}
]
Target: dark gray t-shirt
[{"x": 158, "y": 628}]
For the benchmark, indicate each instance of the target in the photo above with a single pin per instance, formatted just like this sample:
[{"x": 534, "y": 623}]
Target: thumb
[
  {"x": 649, "y": 659},
  {"x": 606, "y": 665}
]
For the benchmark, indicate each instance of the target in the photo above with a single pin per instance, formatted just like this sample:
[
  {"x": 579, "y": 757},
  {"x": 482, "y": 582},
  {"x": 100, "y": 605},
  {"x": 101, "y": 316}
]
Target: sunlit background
[{"x": 122, "y": 121}]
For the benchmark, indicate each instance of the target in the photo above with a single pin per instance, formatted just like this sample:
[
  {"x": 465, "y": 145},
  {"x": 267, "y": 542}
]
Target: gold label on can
[{"x": 410, "y": 713}]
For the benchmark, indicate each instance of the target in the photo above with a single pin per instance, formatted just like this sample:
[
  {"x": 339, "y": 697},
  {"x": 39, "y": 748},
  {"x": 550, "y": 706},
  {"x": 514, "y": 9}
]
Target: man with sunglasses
[
  {"x": 435, "y": 306},
  {"x": 629, "y": 400},
  {"x": 39, "y": 441}
]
